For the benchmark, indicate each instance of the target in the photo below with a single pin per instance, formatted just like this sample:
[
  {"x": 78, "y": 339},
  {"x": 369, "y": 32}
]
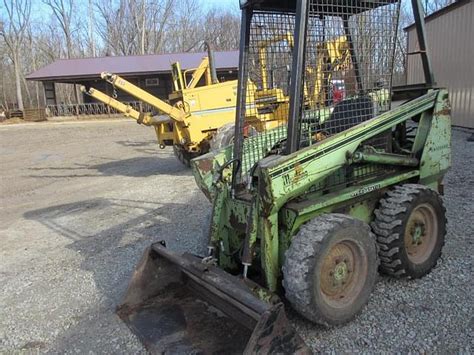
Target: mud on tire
[
  {"x": 330, "y": 269},
  {"x": 410, "y": 225}
]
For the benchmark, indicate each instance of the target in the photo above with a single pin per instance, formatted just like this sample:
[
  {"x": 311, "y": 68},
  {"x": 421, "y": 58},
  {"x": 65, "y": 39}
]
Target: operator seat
[{"x": 349, "y": 113}]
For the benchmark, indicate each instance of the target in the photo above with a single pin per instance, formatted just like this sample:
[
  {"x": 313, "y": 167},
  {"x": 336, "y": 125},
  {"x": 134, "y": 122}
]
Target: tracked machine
[{"x": 311, "y": 209}]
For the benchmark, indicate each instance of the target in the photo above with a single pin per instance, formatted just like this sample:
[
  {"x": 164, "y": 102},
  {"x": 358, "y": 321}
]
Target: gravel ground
[{"x": 81, "y": 201}]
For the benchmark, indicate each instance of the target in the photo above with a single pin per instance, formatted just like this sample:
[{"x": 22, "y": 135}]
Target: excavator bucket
[{"x": 177, "y": 304}]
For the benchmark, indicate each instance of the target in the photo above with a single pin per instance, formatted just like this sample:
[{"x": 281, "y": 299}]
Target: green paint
[
  {"x": 365, "y": 156},
  {"x": 417, "y": 234},
  {"x": 436, "y": 156},
  {"x": 341, "y": 272}
]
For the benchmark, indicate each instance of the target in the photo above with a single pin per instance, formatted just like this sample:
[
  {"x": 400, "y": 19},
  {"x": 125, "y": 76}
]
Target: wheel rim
[
  {"x": 343, "y": 273},
  {"x": 421, "y": 233}
]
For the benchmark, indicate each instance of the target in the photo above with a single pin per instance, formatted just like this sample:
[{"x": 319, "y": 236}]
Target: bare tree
[
  {"x": 13, "y": 31},
  {"x": 435, "y": 5},
  {"x": 90, "y": 29},
  {"x": 159, "y": 18},
  {"x": 130, "y": 27},
  {"x": 221, "y": 28},
  {"x": 62, "y": 11},
  {"x": 138, "y": 12}
]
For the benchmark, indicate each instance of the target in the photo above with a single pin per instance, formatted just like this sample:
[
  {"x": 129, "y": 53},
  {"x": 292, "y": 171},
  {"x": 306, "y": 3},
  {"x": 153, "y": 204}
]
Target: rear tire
[
  {"x": 410, "y": 225},
  {"x": 182, "y": 156},
  {"x": 223, "y": 137},
  {"x": 330, "y": 269}
]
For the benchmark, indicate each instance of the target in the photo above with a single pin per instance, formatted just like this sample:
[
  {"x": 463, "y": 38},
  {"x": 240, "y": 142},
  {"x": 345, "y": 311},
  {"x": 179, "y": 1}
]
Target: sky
[
  {"x": 39, "y": 9},
  {"x": 220, "y": 3}
]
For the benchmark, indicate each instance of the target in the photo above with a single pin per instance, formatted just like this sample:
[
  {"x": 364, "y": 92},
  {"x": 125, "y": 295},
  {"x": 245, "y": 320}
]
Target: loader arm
[
  {"x": 119, "y": 82},
  {"x": 290, "y": 175}
]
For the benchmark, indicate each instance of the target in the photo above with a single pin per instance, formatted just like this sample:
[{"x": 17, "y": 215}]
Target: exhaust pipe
[
  {"x": 212, "y": 67},
  {"x": 177, "y": 304}
]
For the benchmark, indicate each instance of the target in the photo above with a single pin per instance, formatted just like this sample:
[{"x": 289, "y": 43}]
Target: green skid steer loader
[{"x": 310, "y": 210}]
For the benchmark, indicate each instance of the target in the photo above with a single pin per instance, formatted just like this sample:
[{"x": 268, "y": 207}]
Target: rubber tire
[
  {"x": 223, "y": 137},
  {"x": 389, "y": 225},
  {"x": 303, "y": 261}
]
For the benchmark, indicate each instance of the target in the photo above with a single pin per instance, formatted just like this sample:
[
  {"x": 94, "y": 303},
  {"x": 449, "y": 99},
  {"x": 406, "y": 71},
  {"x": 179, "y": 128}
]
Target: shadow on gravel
[
  {"x": 134, "y": 167},
  {"x": 137, "y": 144},
  {"x": 146, "y": 147},
  {"x": 101, "y": 222},
  {"x": 141, "y": 167},
  {"x": 110, "y": 235}
]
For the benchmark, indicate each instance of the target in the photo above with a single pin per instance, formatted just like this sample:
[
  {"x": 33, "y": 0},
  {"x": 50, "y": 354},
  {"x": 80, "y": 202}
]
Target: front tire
[
  {"x": 410, "y": 225},
  {"x": 330, "y": 269}
]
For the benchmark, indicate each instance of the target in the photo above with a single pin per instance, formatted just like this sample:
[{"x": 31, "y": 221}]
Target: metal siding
[{"x": 451, "y": 46}]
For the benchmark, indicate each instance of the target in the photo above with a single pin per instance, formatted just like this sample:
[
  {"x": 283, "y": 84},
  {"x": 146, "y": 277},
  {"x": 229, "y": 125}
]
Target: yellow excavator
[{"x": 332, "y": 57}]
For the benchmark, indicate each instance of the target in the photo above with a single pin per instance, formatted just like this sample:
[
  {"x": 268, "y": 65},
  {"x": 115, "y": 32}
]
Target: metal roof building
[
  {"x": 151, "y": 72},
  {"x": 450, "y": 37}
]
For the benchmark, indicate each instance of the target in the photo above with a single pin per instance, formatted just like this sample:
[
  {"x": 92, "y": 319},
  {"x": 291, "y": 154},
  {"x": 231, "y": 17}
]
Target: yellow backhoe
[
  {"x": 193, "y": 113},
  {"x": 197, "y": 118}
]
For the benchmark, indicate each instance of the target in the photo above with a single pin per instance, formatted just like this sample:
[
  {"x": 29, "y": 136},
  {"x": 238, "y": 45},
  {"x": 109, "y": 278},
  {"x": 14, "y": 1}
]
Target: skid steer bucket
[{"x": 177, "y": 304}]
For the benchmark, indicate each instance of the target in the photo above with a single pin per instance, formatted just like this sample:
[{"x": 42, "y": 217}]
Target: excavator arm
[
  {"x": 333, "y": 56},
  {"x": 262, "y": 54}
]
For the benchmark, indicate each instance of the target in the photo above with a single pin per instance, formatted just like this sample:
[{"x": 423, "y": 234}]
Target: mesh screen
[
  {"x": 347, "y": 73},
  {"x": 268, "y": 66},
  {"x": 348, "y": 66}
]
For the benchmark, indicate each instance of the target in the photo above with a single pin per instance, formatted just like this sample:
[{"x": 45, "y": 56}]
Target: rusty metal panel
[{"x": 450, "y": 41}]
